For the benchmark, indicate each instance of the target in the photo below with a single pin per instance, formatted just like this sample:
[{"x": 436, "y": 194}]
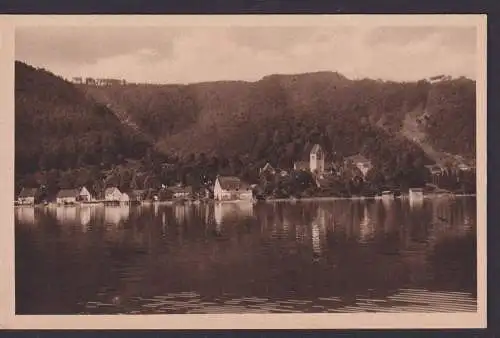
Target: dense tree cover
[
  {"x": 68, "y": 136},
  {"x": 231, "y": 118},
  {"x": 451, "y": 125},
  {"x": 58, "y": 128}
]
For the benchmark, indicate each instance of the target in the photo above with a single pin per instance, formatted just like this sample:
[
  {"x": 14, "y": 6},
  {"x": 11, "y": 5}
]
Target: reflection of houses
[
  {"x": 236, "y": 210},
  {"x": 318, "y": 230},
  {"x": 366, "y": 227},
  {"x": 25, "y": 215},
  {"x": 124, "y": 198},
  {"x": 112, "y": 194},
  {"x": 316, "y": 240},
  {"x": 66, "y": 215},
  {"x": 312, "y": 159},
  {"x": 180, "y": 212},
  {"x": 27, "y": 196},
  {"x": 360, "y": 162},
  {"x": 114, "y": 215},
  {"x": 231, "y": 188},
  {"x": 85, "y": 215}
]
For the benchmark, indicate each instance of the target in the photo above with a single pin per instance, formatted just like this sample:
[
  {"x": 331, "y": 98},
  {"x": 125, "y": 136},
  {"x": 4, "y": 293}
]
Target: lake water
[{"x": 329, "y": 256}]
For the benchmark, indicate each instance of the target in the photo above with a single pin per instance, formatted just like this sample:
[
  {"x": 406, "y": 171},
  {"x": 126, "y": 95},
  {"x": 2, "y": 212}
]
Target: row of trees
[{"x": 157, "y": 170}]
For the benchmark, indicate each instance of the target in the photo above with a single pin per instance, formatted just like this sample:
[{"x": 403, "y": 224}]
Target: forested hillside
[
  {"x": 59, "y": 129},
  {"x": 125, "y": 134},
  {"x": 276, "y": 116}
]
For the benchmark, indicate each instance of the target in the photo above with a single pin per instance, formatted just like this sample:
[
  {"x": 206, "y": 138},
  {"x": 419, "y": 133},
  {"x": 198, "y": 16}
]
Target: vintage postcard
[{"x": 188, "y": 172}]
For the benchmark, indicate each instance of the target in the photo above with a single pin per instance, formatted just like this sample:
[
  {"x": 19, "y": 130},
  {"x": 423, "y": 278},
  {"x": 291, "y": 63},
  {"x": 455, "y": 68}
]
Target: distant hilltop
[{"x": 98, "y": 82}]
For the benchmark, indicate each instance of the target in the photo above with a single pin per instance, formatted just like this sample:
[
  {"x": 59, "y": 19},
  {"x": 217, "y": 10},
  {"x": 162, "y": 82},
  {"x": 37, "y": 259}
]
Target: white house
[
  {"x": 68, "y": 196},
  {"x": 27, "y": 196},
  {"x": 416, "y": 194},
  {"x": 112, "y": 194},
  {"x": 84, "y": 195},
  {"x": 317, "y": 159},
  {"x": 231, "y": 188}
]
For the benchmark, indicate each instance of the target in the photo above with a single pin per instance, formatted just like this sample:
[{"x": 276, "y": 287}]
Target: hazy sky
[{"x": 195, "y": 54}]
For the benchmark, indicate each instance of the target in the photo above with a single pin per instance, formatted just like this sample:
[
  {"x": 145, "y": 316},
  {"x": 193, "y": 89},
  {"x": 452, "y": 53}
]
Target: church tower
[{"x": 317, "y": 159}]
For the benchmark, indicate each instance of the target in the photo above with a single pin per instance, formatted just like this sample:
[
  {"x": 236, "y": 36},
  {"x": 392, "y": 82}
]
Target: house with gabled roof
[
  {"x": 268, "y": 168},
  {"x": 231, "y": 188},
  {"x": 27, "y": 196},
  {"x": 69, "y": 196}
]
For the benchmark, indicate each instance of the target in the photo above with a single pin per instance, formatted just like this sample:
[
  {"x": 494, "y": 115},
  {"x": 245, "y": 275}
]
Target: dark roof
[
  {"x": 68, "y": 193},
  {"x": 316, "y": 148},
  {"x": 231, "y": 183},
  {"x": 308, "y": 148},
  {"x": 28, "y": 192}
]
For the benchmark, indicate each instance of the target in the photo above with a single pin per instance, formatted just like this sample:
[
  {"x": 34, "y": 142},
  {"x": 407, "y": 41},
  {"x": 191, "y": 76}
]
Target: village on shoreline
[{"x": 310, "y": 172}]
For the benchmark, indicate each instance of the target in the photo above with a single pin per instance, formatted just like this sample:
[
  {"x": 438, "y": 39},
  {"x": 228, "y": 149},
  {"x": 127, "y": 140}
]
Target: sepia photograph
[{"x": 248, "y": 168}]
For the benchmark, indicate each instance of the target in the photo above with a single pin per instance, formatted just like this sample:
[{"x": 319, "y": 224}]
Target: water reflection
[
  {"x": 224, "y": 211},
  {"x": 25, "y": 215},
  {"x": 237, "y": 257},
  {"x": 85, "y": 215},
  {"x": 114, "y": 215},
  {"x": 366, "y": 227},
  {"x": 66, "y": 214}
]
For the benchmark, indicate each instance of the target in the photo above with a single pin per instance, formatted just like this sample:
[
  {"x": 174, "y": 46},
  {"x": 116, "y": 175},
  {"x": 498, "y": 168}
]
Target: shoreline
[{"x": 270, "y": 200}]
